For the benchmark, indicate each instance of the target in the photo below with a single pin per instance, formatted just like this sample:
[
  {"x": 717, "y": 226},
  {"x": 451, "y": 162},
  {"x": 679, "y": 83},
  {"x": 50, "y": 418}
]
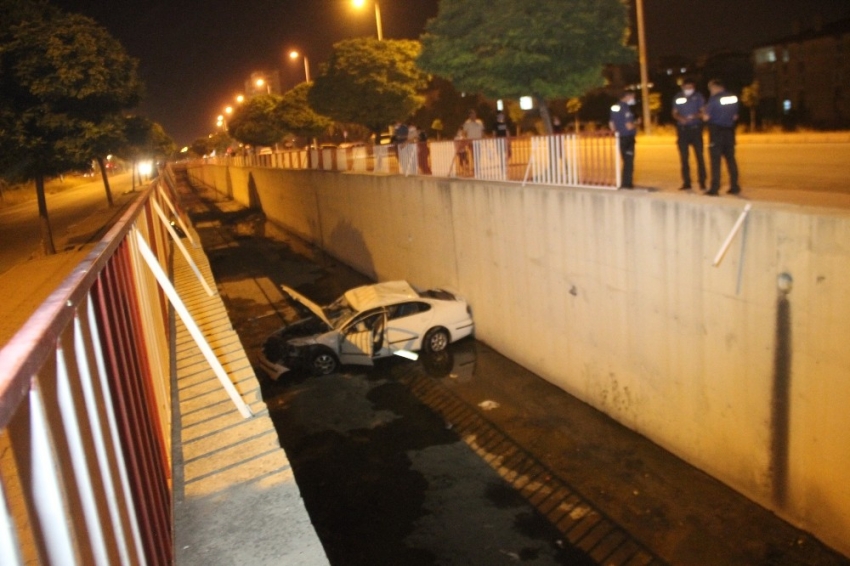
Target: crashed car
[{"x": 364, "y": 324}]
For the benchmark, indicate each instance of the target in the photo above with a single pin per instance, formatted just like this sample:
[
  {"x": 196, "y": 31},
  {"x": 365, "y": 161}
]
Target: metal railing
[
  {"x": 85, "y": 408},
  {"x": 569, "y": 160}
]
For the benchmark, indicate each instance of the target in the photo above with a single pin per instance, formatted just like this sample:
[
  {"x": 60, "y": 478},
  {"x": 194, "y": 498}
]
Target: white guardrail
[{"x": 567, "y": 160}]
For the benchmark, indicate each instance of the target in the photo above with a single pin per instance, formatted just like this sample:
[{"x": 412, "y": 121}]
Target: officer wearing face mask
[
  {"x": 623, "y": 122},
  {"x": 687, "y": 109}
]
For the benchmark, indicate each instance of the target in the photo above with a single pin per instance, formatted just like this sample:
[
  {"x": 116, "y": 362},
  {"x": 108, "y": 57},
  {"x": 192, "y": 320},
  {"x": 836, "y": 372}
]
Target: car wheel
[
  {"x": 436, "y": 340},
  {"x": 323, "y": 362}
]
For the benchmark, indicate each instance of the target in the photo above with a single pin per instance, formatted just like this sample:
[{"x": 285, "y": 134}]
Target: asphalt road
[
  {"x": 469, "y": 458},
  {"x": 810, "y": 173},
  {"x": 20, "y": 231}
]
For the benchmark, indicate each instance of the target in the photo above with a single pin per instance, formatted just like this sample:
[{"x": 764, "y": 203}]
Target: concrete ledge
[{"x": 235, "y": 496}]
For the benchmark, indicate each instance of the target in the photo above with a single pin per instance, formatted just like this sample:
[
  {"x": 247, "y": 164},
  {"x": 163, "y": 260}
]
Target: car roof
[{"x": 380, "y": 294}]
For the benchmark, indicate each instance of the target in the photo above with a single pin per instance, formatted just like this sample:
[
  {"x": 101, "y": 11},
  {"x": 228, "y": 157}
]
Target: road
[
  {"x": 469, "y": 458},
  {"x": 20, "y": 231},
  {"x": 798, "y": 173}
]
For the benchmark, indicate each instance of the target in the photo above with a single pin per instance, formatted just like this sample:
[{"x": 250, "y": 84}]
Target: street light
[
  {"x": 295, "y": 55},
  {"x": 261, "y": 82},
  {"x": 240, "y": 99},
  {"x": 360, "y": 3}
]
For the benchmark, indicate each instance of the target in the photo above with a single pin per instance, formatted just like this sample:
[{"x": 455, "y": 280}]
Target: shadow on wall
[
  {"x": 347, "y": 242},
  {"x": 253, "y": 194},
  {"x": 781, "y": 399},
  {"x": 229, "y": 188}
]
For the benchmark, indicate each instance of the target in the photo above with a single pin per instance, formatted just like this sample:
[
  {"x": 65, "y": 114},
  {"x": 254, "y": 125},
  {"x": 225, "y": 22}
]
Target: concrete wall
[{"x": 612, "y": 296}]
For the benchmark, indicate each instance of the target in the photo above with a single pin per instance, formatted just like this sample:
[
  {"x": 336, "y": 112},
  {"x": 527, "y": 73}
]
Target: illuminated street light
[
  {"x": 262, "y": 82},
  {"x": 240, "y": 99},
  {"x": 228, "y": 110},
  {"x": 360, "y": 3},
  {"x": 295, "y": 55}
]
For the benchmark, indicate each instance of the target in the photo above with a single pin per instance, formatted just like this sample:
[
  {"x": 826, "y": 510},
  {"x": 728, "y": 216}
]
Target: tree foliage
[
  {"x": 370, "y": 82},
  {"x": 145, "y": 139},
  {"x": 297, "y": 115},
  {"x": 63, "y": 81},
  {"x": 547, "y": 48},
  {"x": 256, "y": 122}
]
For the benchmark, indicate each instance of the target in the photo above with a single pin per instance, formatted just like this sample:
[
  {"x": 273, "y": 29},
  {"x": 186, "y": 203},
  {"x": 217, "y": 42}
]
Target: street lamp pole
[
  {"x": 359, "y": 4},
  {"x": 378, "y": 21},
  {"x": 296, "y": 55},
  {"x": 644, "y": 75}
]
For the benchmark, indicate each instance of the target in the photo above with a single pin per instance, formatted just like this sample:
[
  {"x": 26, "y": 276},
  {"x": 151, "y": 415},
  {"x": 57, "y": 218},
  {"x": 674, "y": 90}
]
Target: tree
[
  {"x": 297, "y": 115},
  {"x": 750, "y": 96},
  {"x": 257, "y": 122},
  {"x": 144, "y": 139},
  {"x": 370, "y": 82},
  {"x": 546, "y": 49},
  {"x": 63, "y": 80}
]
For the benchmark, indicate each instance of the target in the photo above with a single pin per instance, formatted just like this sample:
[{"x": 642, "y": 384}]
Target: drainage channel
[{"x": 581, "y": 524}]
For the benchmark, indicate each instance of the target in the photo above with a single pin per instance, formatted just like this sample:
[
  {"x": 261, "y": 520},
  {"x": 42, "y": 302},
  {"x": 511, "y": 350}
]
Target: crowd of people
[{"x": 692, "y": 113}]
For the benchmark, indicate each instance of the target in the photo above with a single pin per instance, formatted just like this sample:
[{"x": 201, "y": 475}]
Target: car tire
[
  {"x": 436, "y": 340},
  {"x": 323, "y": 362}
]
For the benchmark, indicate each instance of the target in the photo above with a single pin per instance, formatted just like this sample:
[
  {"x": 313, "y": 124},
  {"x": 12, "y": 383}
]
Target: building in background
[{"x": 804, "y": 79}]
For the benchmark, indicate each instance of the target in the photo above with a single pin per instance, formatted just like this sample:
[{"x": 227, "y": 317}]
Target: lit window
[{"x": 765, "y": 55}]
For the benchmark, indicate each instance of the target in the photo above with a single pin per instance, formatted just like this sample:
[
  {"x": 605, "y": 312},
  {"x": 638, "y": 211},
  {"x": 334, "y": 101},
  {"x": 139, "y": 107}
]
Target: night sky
[{"x": 195, "y": 56}]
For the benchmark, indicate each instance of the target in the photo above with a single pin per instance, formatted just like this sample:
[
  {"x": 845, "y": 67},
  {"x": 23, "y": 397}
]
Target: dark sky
[{"x": 195, "y": 56}]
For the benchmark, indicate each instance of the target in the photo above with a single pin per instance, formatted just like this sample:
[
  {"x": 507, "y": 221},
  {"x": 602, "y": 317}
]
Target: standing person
[
  {"x": 557, "y": 126},
  {"x": 687, "y": 111},
  {"x": 399, "y": 133},
  {"x": 623, "y": 122},
  {"x": 473, "y": 128},
  {"x": 424, "y": 153},
  {"x": 502, "y": 130},
  {"x": 721, "y": 113}
]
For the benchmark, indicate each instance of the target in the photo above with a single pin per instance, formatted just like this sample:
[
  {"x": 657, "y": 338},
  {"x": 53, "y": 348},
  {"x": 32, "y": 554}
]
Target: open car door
[{"x": 364, "y": 340}]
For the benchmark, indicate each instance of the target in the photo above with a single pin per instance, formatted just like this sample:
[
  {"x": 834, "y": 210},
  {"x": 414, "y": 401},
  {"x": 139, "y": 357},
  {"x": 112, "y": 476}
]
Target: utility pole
[{"x": 644, "y": 74}]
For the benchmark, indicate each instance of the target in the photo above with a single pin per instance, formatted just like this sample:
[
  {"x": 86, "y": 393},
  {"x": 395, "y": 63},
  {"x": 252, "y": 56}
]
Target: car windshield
[{"x": 338, "y": 312}]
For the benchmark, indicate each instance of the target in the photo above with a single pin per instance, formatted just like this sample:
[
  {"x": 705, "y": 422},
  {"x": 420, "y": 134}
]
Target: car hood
[{"x": 310, "y": 305}]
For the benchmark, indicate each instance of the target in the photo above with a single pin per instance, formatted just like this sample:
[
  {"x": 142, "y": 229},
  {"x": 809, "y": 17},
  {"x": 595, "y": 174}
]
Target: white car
[{"x": 364, "y": 324}]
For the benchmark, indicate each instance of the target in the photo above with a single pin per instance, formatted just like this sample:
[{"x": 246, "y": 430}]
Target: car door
[
  {"x": 363, "y": 338},
  {"x": 408, "y": 322}
]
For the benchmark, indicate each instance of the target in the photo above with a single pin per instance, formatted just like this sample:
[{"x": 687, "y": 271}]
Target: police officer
[
  {"x": 623, "y": 122},
  {"x": 721, "y": 114},
  {"x": 687, "y": 111}
]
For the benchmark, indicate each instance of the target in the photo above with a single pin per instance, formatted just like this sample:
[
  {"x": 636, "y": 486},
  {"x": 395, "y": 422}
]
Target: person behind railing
[
  {"x": 557, "y": 126},
  {"x": 399, "y": 134},
  {"x": 461, "y": 149},
  {"x": 423, "y": 152},
  {"x": 624, "y": 123},
  {"x": 473, "y": 129},
  {"x": 501, "y": 129}
]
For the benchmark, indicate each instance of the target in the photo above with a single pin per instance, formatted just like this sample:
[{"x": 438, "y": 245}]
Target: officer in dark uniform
[
  {"x": 687, "y": 111},
  {"x": 721, "y": 114},
  {"x": 623, "y": 122}
]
